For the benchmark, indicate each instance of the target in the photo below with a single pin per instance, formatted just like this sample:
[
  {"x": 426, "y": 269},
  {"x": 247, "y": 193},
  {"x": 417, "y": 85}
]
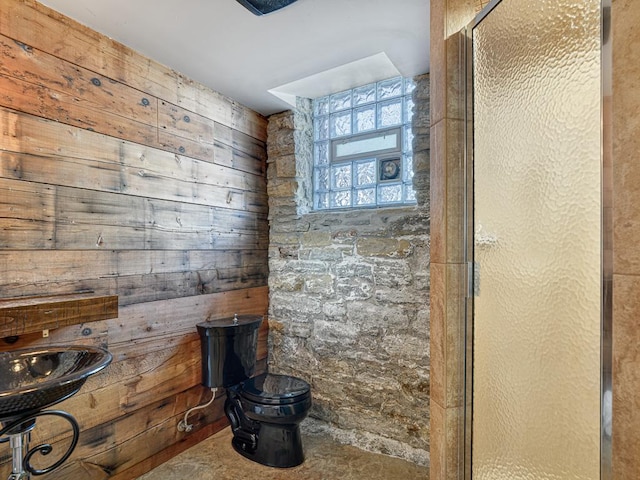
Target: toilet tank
[{"x": 229, "y": 347}]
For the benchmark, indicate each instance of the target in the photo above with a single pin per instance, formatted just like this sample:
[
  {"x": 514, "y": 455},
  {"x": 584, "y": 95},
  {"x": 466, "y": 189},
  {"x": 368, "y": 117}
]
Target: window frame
[
  {"x": 387, "y": 192},
  {"x": 334, "y": 158}
]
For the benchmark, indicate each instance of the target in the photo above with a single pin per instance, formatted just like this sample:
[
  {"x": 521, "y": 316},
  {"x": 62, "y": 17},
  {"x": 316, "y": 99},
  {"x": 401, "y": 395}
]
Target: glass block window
[{"x": 363, "y": 146}]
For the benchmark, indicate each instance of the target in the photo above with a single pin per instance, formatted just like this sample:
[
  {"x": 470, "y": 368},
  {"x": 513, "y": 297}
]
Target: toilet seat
[{"x": 273, "y": 389}]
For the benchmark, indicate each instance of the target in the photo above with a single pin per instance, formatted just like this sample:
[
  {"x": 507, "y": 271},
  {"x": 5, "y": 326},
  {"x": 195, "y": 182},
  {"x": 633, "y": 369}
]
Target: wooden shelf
[{"x": 33, "y": 314}]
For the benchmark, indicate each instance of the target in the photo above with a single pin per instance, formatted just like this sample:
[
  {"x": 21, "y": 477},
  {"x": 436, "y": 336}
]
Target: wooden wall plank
[
  {"x": 184, "y": 123},
  {"x": 93, "y": 333},
  {"x": 26, "y": 213},
  {"x": 151, "y": 462},
  {"x": 86, "y": 219},
  {"x": 124, "y": 429},
  {"x": 24, "y": 133},
  {"x": 248, "y": 162},
  {"x": 62, "y": 107},
  {"x": 137, "y": 276},
  {"x": 121, "y": 460},
  {"x": 139, "y": 321},
  {"x": 81, "y": 46},
  {"x": 241, "y": 141},
  {"x": 88, "y": 100},
  {"x": 162, "y": 286},
  {"x": 89, "y": 220},
  {"x": 168, "y": 214},
  {"x": 198, "y": 98},
  {"x": 70, "y": 156},
  {"x": 32, "y": 65},
  {"x": 239, "y": 150},
  {"x": 68, "y": 109},
  {"x": 206, "y": 259},
  {"x": 60, "y": 171},
  {"x": 227, "y": 156},
  {"x": 185, "y": 146}
]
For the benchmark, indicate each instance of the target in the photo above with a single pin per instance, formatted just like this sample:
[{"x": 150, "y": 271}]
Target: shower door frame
[{"x": 606, "y": 241}]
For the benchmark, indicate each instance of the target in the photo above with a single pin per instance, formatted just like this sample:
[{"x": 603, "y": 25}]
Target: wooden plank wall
[{"x": 123, "y": 177}]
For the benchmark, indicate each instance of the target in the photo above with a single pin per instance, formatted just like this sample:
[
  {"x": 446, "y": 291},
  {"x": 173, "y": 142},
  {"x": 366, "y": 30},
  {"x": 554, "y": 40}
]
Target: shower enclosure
[{"x": 537, "y": 377}]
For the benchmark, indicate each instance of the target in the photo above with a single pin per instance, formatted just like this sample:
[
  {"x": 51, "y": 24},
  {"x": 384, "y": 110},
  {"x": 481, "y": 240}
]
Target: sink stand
[{"x": 18, "y": 431}]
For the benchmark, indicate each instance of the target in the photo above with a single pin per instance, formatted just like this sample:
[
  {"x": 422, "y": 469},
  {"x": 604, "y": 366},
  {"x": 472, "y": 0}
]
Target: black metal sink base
[
  {"x": 17, "y": 430},
  {"x": 32, "y": 380}
]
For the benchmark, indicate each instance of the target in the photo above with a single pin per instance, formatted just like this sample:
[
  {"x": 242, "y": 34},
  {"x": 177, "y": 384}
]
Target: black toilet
[{"x": 264, "y": 411}]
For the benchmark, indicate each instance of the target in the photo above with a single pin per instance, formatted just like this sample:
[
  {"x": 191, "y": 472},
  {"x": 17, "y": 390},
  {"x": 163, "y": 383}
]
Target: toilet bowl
[{"x": 264, "y": 411}]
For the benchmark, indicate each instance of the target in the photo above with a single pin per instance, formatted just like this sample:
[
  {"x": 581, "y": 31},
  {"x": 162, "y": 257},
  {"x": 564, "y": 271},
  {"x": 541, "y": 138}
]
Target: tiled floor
[{"x": 215, "y": 459}]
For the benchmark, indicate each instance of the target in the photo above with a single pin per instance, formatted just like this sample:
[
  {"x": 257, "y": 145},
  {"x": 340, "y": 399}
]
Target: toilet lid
[{"x": 272, "y": 389}]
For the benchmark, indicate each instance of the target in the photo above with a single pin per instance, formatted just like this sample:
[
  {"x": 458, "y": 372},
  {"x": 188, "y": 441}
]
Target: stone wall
[{"x": 349, "y": 295}]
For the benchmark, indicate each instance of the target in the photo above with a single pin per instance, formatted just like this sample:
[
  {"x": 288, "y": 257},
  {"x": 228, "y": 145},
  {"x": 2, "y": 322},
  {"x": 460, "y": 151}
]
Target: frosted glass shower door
[{"x": 537, "y": 241}]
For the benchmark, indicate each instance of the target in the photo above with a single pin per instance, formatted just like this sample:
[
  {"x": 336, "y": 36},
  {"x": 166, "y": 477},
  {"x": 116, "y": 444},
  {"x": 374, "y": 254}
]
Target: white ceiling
[{"x": 310, "y": 48}]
